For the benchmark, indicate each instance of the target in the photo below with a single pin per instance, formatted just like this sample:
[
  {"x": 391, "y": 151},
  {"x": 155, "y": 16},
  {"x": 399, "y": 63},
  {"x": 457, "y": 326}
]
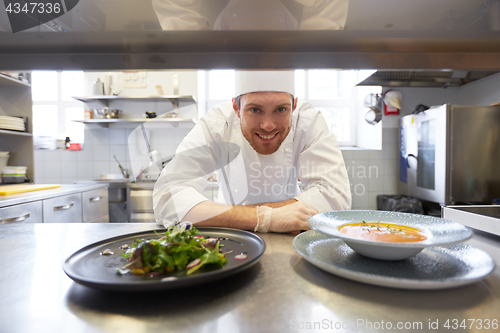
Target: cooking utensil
[{"x": 123, "y": 171}]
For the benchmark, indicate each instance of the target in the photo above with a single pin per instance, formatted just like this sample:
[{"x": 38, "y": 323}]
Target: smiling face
[{"x": 265, "y": 119}]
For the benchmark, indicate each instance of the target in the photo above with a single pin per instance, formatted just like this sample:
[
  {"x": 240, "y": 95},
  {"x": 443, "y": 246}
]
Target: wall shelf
[
  {"x": 7, "y": 132},
  {"x": 106, "y": 122},
  {"x": 7, "y": 81},
  {"x": 106, "y": 99}
]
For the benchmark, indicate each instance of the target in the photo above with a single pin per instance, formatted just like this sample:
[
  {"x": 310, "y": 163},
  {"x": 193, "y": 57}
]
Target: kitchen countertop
[
  {"x": 15, "y": 199},
  {"x": 281, "y": 293}
]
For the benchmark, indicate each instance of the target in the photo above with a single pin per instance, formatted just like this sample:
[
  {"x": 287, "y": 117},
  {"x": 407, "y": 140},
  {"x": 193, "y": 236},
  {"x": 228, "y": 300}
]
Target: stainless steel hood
[
  {"x": 424, "y": 78},
  {"x": 345, "y": 34}
]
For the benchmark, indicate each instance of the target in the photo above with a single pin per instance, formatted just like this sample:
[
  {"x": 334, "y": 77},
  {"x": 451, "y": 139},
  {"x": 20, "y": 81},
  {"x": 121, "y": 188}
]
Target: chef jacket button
[
  {"x": 246, "y": 203},
  {"x": 235, "y": 191},
  {"x": 287, "y": 150}
]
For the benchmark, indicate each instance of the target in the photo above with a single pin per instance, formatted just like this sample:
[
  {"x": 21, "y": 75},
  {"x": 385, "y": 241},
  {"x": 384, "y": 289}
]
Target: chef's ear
[
  {"x": 235, "y": 107},
  {"x": 294, "y": 103}
]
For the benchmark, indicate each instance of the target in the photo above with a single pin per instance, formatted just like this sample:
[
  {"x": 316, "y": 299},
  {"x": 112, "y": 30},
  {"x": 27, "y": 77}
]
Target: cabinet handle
[
  {"x": 15, "y": 219},
  {"x": 64, "y": 207},
  {"x": 94, "y": 199}
]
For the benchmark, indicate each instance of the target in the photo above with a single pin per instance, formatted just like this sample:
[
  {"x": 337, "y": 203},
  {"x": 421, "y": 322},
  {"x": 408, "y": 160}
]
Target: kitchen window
[
  {"x": 54, "y": 109},
  {"x": 333, "y": 92}
]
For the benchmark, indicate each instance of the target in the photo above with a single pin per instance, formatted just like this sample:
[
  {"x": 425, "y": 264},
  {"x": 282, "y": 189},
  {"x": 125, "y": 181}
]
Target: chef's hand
[{"x": 288, "y": 218}]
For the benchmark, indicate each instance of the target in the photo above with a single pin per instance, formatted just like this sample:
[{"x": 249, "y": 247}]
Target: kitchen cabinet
[
  {"x": 28, "y": 212},
  {"x": 68, "y": 204},
  {"x": 94, "y": 205},
  {"x": 65, "y": 209},
  {"x": 15, "y": 100}
]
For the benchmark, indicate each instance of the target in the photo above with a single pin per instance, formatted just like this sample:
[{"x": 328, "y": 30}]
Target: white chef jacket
[{"x": 309, "y": 152}]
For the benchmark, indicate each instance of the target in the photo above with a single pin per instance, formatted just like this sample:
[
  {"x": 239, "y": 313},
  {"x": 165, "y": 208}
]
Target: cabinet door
[
  {"x": 28, "y": 212},
  {"x": 64, "y": 209},
  {"x": 95, "y": 204}
]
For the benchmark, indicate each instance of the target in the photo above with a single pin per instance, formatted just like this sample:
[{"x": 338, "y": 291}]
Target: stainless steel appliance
[{"x": 450, "y": 154}]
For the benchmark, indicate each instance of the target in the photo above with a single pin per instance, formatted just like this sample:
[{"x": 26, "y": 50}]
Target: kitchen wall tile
[
  {"x": 375, "y": 154},
  {"x": 375, "y": 168},
  {"x": 101, "y": 153},
  {"x": 52, "y": 169},
  {"x": 55, "y": 180},
  {"x": 360, "y": 201},
  {"x": 347, "y": 154},
  {"x": 118, "y": 150},
  {"x": 39, "y": 156},
  {"x": 390, "y": 135},
  {"x": 359, "y": 154},
  {"x": 69, "y": 155},
  {"x": 391, "y": 167},
  {"x": 390, "y": 184},
  {"x": 69, "y": 169},
  {"x": 88, "y": 137},
  {"x": 85, "y": 170},
  {"x": 53, "y": 156},
  {"x": 391, "y": 151},
  {"x": 372, "y": 200},
  {"x": 100, "y": 168},
  {"x": 100, "y": 137},
  {"x": 85, "y": 155},
  {"x": 39, "y": 172},
  {"x": 116, "y": 136},
  {"x": 376, "y": 184}
]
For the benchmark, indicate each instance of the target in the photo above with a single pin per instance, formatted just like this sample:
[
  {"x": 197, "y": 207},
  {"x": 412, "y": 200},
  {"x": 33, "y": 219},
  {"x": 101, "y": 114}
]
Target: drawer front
[
  {"x": 28, "y": 212},
  {"x": 64, "y": 209},
  {"x": 94, "y": 204}
]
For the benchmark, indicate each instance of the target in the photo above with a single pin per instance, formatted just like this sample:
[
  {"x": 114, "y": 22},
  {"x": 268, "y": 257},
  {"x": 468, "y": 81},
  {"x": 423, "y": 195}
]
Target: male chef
[{"x": 261, "y": 143}]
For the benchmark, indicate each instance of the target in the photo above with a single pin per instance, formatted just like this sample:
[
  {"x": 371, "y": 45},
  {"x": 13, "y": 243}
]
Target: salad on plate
[{"x": 182, "y": 249}]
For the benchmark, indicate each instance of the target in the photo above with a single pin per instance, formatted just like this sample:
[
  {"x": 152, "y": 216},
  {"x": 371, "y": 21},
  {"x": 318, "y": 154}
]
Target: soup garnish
[{"x": 383, "y": 232}]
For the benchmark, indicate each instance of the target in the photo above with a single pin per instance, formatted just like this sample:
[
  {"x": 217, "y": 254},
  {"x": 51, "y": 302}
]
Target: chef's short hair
[{"x": 239, "y": 97}]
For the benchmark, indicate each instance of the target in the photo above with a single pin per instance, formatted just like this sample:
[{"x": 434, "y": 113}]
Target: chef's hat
[{"x": 254, "y": 81}]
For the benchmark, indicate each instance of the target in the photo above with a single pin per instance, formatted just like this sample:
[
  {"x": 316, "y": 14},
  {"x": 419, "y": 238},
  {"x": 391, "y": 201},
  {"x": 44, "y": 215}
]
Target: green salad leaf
[{"x": 180, "y": 248}]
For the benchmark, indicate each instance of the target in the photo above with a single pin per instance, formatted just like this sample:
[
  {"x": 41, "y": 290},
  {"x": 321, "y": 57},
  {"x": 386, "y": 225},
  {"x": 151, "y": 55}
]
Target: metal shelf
[
  {"x": 8, "y": 81},
  {"x": 105, "y": 99},
  {"x": 107, "y": 122},
  {"x": 15, "y": 133}
]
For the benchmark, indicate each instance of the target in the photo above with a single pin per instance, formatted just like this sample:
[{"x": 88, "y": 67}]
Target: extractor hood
[
  {"x": 424, "y": 78},
  {"x": 424, "y": 35}
]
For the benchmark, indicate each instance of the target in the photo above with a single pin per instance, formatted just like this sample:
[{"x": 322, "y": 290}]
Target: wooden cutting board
[{"x": 21, "y": 188}]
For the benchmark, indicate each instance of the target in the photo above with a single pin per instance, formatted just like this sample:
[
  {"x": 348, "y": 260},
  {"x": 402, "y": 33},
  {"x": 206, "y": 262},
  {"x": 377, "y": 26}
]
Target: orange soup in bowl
[{"x": 383, "y": 232}]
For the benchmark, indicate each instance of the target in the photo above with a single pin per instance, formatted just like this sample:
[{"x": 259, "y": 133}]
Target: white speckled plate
[
  {"x": 432, "y": 268},
  {"x": 440, "y": 232}
]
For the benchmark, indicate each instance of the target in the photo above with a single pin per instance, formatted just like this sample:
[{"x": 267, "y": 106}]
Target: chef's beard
[{"x": 283, "y": 133}]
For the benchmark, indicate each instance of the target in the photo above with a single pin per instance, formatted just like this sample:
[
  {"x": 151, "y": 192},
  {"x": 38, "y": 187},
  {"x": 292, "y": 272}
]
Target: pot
[{"x": 108, "y": 113}]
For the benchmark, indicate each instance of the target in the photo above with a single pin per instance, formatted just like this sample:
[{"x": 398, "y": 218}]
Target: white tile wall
[
  {"x": 96, "y": 158},
  {"x": 371, "y": 172}
]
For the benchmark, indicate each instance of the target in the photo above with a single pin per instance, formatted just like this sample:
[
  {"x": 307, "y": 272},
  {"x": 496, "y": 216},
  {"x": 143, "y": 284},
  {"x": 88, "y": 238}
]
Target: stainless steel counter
[
  {"x": 15, "y": 199},
  {"x": 282, "y": 293}
]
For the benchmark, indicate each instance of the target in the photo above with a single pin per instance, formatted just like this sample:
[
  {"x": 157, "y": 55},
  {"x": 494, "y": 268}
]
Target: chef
[{"x": 261, "y": 143}]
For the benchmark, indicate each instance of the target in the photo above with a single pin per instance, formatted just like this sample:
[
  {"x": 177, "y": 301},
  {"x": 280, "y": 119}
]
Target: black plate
[{"x": 86, "y": 266}]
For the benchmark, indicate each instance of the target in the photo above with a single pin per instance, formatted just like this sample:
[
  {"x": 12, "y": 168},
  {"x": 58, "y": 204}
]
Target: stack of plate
[{"x": 12, "y": 123}]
